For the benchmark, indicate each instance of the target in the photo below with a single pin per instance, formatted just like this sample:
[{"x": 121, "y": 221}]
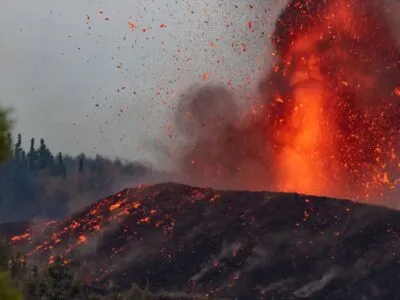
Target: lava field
[{"x": 230, "y": 244}]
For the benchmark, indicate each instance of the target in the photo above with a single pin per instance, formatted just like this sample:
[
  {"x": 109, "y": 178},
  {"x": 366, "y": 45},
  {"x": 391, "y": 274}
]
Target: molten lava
[
  {"x": 338, "y": 70},
  {"x": 329, "y": 119},
  {"x": 215, "y": 242}
]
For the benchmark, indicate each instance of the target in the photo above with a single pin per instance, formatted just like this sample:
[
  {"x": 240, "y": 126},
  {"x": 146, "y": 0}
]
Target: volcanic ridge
[{"x": 226, "y": 244}]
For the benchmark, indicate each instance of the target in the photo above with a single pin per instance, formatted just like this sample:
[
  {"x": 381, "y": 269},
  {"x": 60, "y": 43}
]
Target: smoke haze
[{"x": 221, "y": 145}]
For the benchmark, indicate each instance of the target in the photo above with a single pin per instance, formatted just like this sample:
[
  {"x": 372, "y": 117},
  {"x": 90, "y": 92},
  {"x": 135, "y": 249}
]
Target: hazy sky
[{"x": 62, "y": 63}]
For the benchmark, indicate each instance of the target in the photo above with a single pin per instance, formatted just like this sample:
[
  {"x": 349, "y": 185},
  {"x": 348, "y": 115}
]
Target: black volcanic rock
[{"x": 230, "y": 244}]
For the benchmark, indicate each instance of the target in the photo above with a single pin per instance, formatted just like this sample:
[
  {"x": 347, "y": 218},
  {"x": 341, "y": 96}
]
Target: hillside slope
[{"x": 249, "y": 245}]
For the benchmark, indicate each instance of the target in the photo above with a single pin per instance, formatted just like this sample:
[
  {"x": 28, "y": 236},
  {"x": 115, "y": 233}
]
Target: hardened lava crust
[{"x": 226, "y": 244}]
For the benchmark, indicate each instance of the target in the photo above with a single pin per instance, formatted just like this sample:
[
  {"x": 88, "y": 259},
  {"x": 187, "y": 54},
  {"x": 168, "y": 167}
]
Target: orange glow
[
  {"x": 115, "y": 206},
  {"x": 301, "y": 163},
  {"x": 144, "y": 220},
  {"x": 82, "y": 239},
  {"x": 335, "y": 108},
  {"x": 328, "y": 103},
  {"x": 20, "y": 237},
  {"x": 132, "y": 25}
]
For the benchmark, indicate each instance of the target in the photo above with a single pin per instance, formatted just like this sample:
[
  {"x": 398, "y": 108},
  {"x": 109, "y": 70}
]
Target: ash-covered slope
[{"x": 249, "y": 245}]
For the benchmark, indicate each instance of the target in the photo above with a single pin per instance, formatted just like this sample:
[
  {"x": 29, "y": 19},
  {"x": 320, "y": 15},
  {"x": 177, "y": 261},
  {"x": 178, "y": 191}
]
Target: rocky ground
[{"x": 226, "y": 244}]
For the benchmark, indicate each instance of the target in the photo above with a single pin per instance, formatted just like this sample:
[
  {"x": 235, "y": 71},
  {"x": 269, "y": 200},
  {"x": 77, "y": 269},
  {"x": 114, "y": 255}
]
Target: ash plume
[
  {"x": 219, "y": 148},
  {"x": 328, "y": 120}
]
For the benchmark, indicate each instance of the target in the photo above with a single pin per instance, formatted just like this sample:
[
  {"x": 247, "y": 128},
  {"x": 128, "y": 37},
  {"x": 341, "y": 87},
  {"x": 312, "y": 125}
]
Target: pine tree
[
  {"x": 17, "y": 150},
  {"x": 61, "y": 167},
  {"x": 80, "y": 169},
  {"x": 60, "y": 282},
  {"x": 42, "y": 155},
  {"x": 19, "y": 141},
  {"x": 45, "y": 157},
  {"x": 32, "y": 156}
]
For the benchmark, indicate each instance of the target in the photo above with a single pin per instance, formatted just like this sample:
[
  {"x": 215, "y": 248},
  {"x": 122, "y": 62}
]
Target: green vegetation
[
  {"x": 49, "y": 185},
  {"x": 46, "y": 185},
  {"x": 5, "y": 142},
  {"x": 56, "y": 281},
  {"x": 52, "y": 185},
  {"x": 52, "y": 282},
  {"x": 7, "y": 289}
]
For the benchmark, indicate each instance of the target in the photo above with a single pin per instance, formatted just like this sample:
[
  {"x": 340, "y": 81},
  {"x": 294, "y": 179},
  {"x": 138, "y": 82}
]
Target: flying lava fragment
[
  {"x": 327, "y": 120},
  {"x": 132, "y": 25}
]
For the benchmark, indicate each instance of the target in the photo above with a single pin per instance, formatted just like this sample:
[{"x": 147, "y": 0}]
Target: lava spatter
[
  {"x": 338, "y": 65},
  {"x": 327, "y": 117},
  {"x": 218, "y": 242}
]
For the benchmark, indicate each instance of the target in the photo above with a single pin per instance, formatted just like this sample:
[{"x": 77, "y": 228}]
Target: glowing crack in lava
[
  {"x": 329, "y": 119},
  {"x": 339, "y": 68}
]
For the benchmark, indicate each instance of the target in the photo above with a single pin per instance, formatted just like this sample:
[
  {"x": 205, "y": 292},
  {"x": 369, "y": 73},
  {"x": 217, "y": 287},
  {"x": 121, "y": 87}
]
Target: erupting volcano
[
  {"x": 327, "y": 124},
  {"x": 329, "y": 119}
]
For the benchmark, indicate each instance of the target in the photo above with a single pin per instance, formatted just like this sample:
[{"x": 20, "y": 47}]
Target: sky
[{"x": 101, "y": 77}]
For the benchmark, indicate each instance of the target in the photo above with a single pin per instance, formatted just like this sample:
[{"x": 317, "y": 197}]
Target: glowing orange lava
[{"x": 338, "y": 131}]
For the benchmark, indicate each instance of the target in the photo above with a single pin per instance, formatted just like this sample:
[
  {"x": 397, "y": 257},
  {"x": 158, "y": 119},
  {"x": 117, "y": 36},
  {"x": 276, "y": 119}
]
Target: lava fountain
[
  {"x": 329, "y": 119},
  {"x": 338, "y": 70}
]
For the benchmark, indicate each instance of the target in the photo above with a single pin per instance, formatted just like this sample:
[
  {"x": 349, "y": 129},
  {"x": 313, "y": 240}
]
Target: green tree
[
  {"x": 43, "y": 155},
  {"x": 61, "y": 166},
  {"x": 5, "y": 142},
  {"x": 7, "y": 289},
  {"x": 58, "y": 283},
  {"x": 17, "y": 151},
  {"x": 32, "y": 156}
]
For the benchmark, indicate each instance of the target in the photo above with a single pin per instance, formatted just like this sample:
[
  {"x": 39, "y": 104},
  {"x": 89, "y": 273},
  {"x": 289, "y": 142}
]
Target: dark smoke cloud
[{"x": 220, "y": 147}]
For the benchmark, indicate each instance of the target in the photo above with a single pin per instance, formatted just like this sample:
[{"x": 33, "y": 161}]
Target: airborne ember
[{"x": 329, "y": 119}]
